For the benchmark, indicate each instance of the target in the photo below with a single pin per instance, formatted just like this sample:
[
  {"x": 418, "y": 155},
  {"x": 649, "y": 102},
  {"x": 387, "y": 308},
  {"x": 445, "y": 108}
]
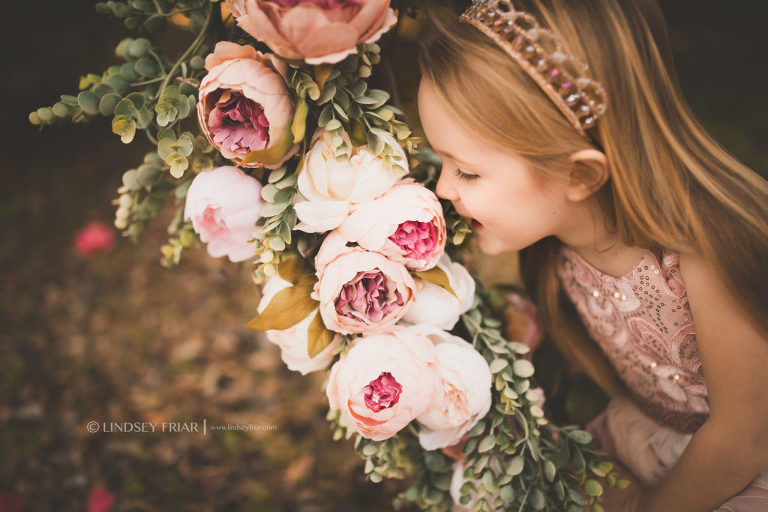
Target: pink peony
[
  {"x": 406, "y": 224},
  {"x": 383, "y": 382},
  {"x": 316, "y": 31},
  {"x": 293, "y": 341},
  {"x": 360, "y": 291},
  {"x": 224, "y": 205},
  {"x": 95, "y": 237},
  {"x": 464, "y": 395},
  {"x": 244, "y": 103}
]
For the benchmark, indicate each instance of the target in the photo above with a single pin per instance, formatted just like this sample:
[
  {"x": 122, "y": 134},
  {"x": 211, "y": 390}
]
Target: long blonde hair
[{"x": 671, "y": 185}]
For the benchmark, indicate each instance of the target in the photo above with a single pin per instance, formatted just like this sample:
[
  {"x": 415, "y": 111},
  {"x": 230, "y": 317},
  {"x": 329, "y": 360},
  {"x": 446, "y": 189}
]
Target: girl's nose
[{"x": 444, "y": 188}]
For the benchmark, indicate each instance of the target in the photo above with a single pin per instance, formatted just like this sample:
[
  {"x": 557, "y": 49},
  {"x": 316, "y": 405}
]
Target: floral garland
[{"x": 295, "y": 164}]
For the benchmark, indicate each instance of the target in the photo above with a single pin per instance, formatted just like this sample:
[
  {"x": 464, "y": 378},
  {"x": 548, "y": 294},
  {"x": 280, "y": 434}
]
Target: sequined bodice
[{"x": 643, "y": 323}]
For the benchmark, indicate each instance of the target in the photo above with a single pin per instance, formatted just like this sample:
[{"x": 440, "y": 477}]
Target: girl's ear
[{"x": 589, "y": 172}]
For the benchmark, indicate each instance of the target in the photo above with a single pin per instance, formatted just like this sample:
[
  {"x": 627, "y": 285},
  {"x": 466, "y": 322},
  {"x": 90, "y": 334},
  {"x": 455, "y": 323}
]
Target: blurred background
[{"x": 113, "y": 336}]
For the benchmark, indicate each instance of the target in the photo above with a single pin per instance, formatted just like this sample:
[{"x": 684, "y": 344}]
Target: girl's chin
[{"x": 489, "y": 244}]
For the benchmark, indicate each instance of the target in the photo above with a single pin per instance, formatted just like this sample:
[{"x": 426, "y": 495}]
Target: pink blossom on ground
[
  {"x": 10, "y": 502},
  {"x": 100, "y": 500},
  {"x": 95, "y": 237}
]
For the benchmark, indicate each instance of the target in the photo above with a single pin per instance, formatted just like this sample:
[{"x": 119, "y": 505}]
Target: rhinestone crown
[{"x": 539, "y": 51}]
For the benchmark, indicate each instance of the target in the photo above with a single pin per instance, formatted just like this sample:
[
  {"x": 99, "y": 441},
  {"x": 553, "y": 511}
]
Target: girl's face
[{"x": 510, "y": 205}]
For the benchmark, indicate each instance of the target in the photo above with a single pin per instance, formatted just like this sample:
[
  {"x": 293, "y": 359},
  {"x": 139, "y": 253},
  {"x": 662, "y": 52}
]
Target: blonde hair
[{"x": 671, "y": 185}]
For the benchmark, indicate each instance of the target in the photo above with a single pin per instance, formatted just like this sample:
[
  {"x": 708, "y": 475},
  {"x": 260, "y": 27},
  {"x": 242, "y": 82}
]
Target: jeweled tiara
[{"x": 539, "y": 51}]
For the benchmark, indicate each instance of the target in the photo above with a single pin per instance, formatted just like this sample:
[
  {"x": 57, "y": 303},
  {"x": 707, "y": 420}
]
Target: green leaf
[
  {"x": 299, "y": 123},
  {"x": 436, "y": 276},
  {"x": 273, "y": 155},
  {"x": 107, "y": 104},
  {"x": 516, "y": 465},
  {"x": 125, "y": 127},
  {"x": 549, "y": 471},
  {"x": 89, "y": 102},
  {"x": 498, "y": 364},
  {"x": 593, "y": 487},
  {"x": 487, "y": 443},
  {"x": 581, "y": 436},
  {"x": 507, "y": 493},
  {"x": 178, "y": 166},
  {"x": 523, "y": 368},
  {"x": 125, "y": 107},
  {"x": 271, "y": 209}
]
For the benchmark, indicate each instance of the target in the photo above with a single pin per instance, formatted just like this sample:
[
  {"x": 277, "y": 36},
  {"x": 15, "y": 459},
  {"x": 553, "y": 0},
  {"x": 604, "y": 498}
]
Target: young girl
[{"x": 644, "y": 243}]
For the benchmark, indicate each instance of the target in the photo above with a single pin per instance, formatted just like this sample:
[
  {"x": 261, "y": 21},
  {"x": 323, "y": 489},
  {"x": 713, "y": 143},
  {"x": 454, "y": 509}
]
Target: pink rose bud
[
  {"x": 95, "y": 237},
  {"x": 224, "y": 205},
  {"x": 316, "y": 31},
  {"x": 244, "y": 103}
]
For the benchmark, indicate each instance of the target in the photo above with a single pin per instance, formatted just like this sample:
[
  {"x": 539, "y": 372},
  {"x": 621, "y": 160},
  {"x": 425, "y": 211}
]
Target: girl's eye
[{"x": 465, "y": 176}]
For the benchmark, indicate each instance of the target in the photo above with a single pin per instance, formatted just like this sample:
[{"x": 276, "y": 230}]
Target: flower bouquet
[{"x": 278, "y": 152}]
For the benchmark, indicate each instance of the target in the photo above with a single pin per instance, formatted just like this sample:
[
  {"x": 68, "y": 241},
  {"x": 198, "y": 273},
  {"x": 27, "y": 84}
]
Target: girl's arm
[{"x": 732, "y": 446}]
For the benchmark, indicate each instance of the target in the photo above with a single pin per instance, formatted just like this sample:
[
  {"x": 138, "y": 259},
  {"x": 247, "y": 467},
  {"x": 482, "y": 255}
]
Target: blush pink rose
[
  {"x": 360, "y": 291},
  {"x": 95, "y": 237},
  {"x": 244, "y": 102},
  {"x": 384, "y": 382},
  {"x": 316, "y": 31},
  {"x": 294, "y": 340},
  {"x": 464, "y": 395},
  {"x": 224, "y": 205},
  {"x": 406, "y": 224}
]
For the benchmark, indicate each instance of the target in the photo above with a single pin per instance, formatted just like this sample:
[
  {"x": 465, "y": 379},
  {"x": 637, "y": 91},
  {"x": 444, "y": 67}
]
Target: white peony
[
  {"x": 293, "y": 341},
  {"x": 438, "y": 307},
  {"x": 464, "y": 395}
]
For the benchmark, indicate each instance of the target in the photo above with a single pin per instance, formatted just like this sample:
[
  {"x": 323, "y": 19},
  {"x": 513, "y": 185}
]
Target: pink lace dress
[{"x": 643, "y": 323}]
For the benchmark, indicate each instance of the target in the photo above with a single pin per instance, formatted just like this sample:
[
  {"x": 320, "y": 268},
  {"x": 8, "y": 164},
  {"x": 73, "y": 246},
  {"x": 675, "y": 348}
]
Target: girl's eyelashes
[{"x": 465, "y": 175}]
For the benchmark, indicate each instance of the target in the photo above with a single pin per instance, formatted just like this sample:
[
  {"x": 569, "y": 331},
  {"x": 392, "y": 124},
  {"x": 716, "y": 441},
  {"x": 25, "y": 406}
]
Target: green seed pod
[
  {"x": 139, "y": 48},
  {"x": 143, "y": 5},
  {"x": 34, "y": 118},
  {"x": 197, "y": 62},
  {"x": 133, "y": 22},
  {"x": 45, "y": 114},
  {"x": 61, "y": 109},
  {"x": 102, "y": 8}
]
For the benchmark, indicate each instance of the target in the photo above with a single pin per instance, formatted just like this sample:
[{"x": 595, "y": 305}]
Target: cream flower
[
  {"x": 464, "y": 395},
  {"x": 332, "y": 188},
  {"x": 294, "y": 340},
  {"x": 438, "y": 307}
]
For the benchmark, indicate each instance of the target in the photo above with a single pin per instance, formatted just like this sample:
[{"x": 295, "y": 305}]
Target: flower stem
[{"x": 192, "y": 47}]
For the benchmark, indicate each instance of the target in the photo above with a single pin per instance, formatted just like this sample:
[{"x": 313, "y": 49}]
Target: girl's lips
[{"x": 476, "y": 225}]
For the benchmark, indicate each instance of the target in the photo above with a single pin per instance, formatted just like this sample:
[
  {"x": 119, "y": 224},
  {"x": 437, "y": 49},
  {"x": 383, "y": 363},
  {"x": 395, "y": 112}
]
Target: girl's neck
[{"x": 587, "y": 233}]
